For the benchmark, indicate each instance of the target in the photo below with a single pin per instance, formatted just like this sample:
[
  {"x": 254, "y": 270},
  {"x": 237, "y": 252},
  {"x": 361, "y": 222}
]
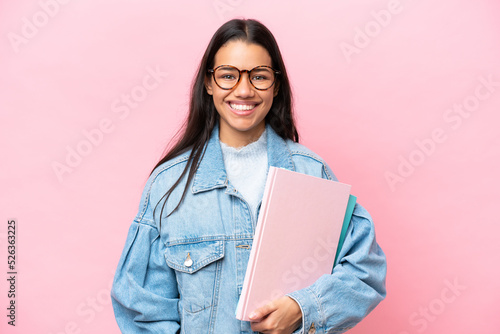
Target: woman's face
[{"x": 241, "y": 127}]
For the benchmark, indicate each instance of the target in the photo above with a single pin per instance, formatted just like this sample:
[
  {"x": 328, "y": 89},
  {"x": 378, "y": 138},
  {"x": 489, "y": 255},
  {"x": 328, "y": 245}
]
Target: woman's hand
[{"x": 281, "y": 316}]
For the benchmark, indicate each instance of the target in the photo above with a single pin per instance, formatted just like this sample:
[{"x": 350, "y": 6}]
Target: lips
[
  {"x": 242, "y": 106},
  {"x": 243, "y": 112}
]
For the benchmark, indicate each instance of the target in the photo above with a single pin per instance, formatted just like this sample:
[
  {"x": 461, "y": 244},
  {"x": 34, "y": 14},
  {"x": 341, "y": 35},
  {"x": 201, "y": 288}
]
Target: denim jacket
[{"x": 157, "y": 288}]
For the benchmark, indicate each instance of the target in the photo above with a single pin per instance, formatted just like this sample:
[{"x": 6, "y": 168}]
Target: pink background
[{"x": 386, "y": 105}]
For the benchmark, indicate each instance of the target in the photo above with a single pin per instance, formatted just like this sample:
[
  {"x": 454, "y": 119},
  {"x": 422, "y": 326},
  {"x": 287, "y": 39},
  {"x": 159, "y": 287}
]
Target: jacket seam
[
  {"x": 187, "y": 241},
  {"x": 145, "y": 222},
  {"x": 319, "y": 307},
  {"x": 315, "y": 158},
  {"x": 153, "y": 180}
]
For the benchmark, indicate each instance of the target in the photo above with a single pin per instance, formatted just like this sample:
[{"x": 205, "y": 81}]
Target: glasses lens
[
  {"x": 262, "y": 77},
  {"x": 226, "y": 77}
]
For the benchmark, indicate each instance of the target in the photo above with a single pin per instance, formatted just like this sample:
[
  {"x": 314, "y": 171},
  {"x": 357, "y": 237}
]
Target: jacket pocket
[{"x": 198, "y": 272}]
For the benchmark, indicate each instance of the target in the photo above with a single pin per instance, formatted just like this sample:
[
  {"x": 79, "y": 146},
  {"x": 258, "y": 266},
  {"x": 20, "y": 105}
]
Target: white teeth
[{"x": 242, "y": 106}]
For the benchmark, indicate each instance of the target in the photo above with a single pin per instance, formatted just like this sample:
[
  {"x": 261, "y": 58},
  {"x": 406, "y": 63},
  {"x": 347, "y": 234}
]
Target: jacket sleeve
[
  {"x": 337, "y": 302},
  {"x": 144, "y": 292}
]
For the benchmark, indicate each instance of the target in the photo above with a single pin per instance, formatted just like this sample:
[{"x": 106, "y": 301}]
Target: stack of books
[{"x": 300, "y": 231}]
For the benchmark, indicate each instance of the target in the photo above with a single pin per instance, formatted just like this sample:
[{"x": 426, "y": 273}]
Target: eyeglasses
[{"x": 227, "y": 76}]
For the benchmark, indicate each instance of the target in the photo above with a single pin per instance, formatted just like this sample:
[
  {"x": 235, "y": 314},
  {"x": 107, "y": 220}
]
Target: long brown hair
[{"x": 203, "y": 116}]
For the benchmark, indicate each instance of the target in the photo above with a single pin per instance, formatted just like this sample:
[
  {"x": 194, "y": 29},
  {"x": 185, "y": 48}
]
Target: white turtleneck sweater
[{"x": 246, "y": 169}]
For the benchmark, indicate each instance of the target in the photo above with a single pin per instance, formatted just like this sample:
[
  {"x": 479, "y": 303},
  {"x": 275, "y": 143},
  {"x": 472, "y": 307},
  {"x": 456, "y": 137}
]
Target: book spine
[{"x": 242, "y": 308}]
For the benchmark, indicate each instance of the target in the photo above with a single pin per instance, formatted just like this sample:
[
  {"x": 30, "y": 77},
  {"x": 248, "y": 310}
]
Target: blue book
[{"x": 347, "y": 219}]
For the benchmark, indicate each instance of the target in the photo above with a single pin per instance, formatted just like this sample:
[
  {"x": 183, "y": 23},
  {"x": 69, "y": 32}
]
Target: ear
[
  {"x": 276, "y": 88},
  {"x": 208, "y": 85}
]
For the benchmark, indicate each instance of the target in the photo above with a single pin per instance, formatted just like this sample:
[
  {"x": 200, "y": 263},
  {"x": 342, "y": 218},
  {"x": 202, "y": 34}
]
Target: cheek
[
  {"x": 269, "y": 99},
  {"x": 219, "y": 103},
  {"x": 219, "y": 97}
]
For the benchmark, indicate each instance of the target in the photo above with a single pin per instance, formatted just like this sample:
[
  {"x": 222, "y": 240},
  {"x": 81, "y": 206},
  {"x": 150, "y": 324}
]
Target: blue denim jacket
[{"x": 157, "y": 289}]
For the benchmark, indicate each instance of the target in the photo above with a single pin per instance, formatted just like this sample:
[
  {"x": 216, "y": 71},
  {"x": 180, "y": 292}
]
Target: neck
[{"x": 239, "y": 138}]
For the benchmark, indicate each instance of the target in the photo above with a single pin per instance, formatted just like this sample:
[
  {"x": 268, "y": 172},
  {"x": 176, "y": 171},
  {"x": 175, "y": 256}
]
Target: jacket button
[
  {"x": 188, "y": 262},
  {"x": 312, "y": 329}
]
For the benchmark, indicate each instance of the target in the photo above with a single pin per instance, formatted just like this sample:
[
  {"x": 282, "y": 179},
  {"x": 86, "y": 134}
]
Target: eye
[
  {"x": 260, "y": 77},
  {"x": 228, "y": 77}
]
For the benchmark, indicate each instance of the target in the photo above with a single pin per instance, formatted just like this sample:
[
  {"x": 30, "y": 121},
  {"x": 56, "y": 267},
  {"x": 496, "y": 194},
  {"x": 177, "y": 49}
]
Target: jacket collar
[{"x": 211, "y": 172}]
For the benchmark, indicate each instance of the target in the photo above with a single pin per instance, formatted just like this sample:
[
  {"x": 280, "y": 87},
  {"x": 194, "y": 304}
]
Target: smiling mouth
[{"x": 242, "y": 107}]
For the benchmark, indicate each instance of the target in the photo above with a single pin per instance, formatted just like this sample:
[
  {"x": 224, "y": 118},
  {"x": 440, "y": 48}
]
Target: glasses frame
[{"x": 212, "y": 70}]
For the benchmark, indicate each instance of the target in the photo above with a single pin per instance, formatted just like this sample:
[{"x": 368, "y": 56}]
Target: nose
[{"x": 244, "y": 88}]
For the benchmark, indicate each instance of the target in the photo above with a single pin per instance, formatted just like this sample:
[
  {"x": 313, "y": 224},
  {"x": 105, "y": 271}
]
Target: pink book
[{"x": 296, "y": 236}]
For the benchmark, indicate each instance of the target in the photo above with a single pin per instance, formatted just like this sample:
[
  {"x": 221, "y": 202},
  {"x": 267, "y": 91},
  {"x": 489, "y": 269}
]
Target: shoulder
[
  {"x": 169, "y": 169},
  {"x": 309, "y": 162},
  {"x": 160, "y": 181},
  {"x": 166, "y": 174}
]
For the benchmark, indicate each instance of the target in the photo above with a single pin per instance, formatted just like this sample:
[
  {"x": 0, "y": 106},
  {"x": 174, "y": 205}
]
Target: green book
[{"x": 345, "y": 224}]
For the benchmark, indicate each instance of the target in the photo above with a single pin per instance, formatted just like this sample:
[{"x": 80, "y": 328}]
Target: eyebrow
[{"x": 228, "y": 66}]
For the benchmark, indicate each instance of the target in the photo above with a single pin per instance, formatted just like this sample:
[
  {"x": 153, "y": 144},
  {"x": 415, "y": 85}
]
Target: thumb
[{"x": 261, "y": 312}]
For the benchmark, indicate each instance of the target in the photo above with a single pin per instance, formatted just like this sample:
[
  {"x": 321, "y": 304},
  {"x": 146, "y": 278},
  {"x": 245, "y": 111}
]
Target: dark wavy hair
[{"x": 202, "y": 117}]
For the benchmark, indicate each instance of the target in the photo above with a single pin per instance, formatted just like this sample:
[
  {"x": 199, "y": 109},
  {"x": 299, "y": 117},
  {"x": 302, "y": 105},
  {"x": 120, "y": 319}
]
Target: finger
[
  {"x": 262, "y": 326},
  {"x": 261, "y": 312}
]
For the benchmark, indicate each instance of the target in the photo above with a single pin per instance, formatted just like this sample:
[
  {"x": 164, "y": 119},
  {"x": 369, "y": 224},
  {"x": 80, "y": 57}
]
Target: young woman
[{"x": 187, "y": 249}]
